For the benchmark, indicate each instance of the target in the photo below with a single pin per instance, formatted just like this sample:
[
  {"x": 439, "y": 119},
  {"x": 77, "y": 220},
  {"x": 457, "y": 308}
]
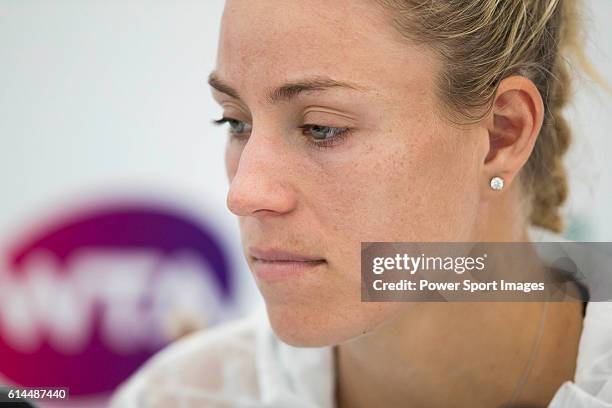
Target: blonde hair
[{"x": 481, "y": 42}]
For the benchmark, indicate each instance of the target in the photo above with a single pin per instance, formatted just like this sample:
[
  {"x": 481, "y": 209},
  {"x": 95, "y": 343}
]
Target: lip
[{"x": 275, "y": 264}]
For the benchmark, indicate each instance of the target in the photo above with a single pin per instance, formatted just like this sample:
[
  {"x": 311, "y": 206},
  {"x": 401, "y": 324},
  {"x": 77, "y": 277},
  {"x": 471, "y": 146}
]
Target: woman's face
[{"x": 336, "y": 138}]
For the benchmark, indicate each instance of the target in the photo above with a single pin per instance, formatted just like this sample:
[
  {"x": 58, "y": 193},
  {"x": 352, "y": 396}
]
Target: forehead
[{"x": 266, "y": 42}]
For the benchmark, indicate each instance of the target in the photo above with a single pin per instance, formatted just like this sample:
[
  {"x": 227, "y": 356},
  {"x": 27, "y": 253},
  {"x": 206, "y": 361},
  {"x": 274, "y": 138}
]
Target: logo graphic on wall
[{"x": 86, "y": 300}]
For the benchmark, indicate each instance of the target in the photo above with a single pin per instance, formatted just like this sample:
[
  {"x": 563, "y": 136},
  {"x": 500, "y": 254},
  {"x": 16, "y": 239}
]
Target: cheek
[{"x": 421, "y": 188}]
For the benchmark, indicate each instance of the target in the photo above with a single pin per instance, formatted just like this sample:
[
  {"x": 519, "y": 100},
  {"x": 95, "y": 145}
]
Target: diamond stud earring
[{"x": 497, "y": 183}]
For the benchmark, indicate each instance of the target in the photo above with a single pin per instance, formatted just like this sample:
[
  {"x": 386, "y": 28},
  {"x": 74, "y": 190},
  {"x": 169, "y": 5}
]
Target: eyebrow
[{"x": 288, "y": 91}]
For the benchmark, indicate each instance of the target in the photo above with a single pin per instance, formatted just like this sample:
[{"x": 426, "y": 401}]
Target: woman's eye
[
  {"x": 325, "y": 136},
  {"x": 236, "y": 127},
  {"x": 322, "y": 132}
]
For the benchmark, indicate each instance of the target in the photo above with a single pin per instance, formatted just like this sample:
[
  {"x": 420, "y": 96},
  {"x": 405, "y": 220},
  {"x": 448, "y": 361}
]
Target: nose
[{"x": 261, "y": 184}]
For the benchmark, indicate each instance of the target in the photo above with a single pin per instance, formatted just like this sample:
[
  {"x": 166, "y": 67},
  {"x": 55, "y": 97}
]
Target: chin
[{"x": 323, "y": 325}]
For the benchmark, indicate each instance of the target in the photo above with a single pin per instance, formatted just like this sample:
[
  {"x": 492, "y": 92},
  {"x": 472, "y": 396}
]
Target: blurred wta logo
[{"x": 87, "y": 300}]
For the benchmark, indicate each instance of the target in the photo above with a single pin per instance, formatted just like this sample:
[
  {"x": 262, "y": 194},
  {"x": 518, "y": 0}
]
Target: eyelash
[{"x": 340, "y": 134}]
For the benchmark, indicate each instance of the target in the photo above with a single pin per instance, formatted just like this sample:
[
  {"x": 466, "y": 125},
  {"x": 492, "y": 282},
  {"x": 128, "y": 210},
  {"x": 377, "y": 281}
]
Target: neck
[
  {"x": 464, "y": 354},
  {"x": 461, "y": 354}
]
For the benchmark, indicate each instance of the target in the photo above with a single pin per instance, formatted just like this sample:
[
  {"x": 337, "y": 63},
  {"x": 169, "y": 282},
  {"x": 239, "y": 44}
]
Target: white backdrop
[{"x": 107, "y": 95}]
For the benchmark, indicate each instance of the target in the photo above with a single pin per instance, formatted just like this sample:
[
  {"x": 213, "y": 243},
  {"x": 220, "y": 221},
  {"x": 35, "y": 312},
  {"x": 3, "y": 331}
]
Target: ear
[{"x": 513, "y": 126}]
